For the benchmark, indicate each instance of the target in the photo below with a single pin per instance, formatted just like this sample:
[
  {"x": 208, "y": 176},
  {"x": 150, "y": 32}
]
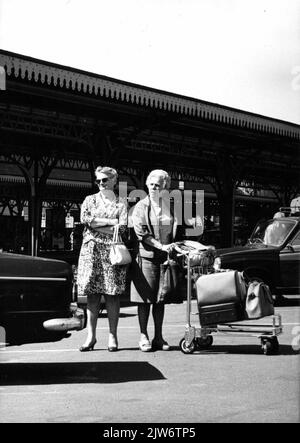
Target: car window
[
  {"x": 272, "y": 232},
  {"x": 275, "y": 233},
  {"x": 296, "y": 240}
]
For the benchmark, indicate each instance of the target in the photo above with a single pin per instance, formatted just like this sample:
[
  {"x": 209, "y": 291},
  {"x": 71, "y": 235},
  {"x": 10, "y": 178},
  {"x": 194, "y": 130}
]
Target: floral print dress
[{"x": 96, "y": 275}]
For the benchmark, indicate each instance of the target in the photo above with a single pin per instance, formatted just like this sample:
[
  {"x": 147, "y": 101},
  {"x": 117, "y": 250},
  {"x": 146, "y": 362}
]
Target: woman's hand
[{"x": 168, "y": 248}]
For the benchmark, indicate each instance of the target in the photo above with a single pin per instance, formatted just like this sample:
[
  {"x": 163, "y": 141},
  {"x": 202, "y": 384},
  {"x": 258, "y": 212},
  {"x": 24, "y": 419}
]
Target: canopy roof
[{"x": 62, "y": 77}]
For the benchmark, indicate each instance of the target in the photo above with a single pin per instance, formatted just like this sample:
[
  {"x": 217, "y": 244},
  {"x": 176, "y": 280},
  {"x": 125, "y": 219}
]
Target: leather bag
[
  {"x": 170, "y": 283},
  {"x": 119, "y": 254},
  {"x": 259, "y": 301},
  {"x": 221, "y": 287}
]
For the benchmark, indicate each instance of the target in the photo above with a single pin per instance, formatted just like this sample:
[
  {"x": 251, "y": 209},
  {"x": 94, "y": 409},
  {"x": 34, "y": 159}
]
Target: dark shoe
[
  {"x": 161, "y": 345},
  {"x": 90, "y": 347}
]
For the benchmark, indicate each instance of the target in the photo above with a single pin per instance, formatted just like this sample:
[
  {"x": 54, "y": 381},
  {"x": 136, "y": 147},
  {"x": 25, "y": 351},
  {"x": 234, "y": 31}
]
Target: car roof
[
  {"x": 294, "y": 220},
  {"x": 288, "y": 218}
]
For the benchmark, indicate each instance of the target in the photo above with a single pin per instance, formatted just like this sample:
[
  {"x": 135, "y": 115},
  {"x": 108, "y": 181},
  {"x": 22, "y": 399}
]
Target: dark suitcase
[{"x": 221, "y": 313}]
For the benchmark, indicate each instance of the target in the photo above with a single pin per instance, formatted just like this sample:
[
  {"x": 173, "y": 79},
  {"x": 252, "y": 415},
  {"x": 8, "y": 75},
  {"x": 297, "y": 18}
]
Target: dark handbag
[{"x": 170, "y": 283}]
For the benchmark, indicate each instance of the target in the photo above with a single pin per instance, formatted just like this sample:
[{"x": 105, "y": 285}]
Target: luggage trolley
[{"x": 201, "y": 338}]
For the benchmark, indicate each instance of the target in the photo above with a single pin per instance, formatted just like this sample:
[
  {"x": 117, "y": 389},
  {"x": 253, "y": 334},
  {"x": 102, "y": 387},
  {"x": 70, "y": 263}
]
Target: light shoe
[
  {"x": 145, "y": 345},
  {"x": 112, "y": 344}
]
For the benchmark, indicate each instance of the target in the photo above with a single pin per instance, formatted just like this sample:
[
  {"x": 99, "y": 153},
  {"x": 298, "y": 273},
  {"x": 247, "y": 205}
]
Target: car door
[{"x": 290, "y": 265}]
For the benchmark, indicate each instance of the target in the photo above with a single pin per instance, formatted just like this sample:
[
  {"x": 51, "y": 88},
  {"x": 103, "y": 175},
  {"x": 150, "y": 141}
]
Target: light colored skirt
[{"x": 96, "y": 275}]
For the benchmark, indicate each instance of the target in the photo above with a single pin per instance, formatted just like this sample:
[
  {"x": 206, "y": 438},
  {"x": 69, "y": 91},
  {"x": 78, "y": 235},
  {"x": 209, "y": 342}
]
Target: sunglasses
[{"x": 101, "y": 180}]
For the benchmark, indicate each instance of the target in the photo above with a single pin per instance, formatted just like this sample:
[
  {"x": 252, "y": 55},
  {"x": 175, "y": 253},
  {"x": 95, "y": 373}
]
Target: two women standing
[{"x": 155, "y": 226}]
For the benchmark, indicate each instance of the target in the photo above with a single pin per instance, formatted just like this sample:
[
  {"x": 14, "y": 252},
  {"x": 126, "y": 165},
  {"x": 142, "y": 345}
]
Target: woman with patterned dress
[{"x": 100, "y": 213}]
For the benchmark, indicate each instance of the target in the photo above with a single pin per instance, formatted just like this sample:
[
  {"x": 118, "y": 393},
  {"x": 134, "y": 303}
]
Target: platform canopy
[{"x": 57, "y": 123}]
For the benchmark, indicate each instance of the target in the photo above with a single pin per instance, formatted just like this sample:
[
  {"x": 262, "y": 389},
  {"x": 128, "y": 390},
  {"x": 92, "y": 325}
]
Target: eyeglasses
[
  {"x": 101, "y": 180},
  {"x": 155, "y": 185}
]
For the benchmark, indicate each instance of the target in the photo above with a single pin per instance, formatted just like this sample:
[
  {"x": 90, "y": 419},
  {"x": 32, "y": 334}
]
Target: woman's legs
[
  {"x": 143, "y": 315},
  {"x": 158, "y": 312},
  {"x": 93, "y": 307},
  {"x": 112, "y": 303}
]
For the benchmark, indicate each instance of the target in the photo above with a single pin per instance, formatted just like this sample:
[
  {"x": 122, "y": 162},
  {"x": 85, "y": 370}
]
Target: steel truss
[
  {"x": 37, "y": 141},
  {"x": 54, "y": 126}
]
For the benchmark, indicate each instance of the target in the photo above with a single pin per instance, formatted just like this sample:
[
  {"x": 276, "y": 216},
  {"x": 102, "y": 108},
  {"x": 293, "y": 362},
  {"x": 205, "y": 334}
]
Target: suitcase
[
  {"x": 221, "y": 313},
  {"x": 221, "y": 287}
]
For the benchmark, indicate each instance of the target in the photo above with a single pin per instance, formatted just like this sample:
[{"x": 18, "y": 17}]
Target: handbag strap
[{"x": 116, "y": 234}]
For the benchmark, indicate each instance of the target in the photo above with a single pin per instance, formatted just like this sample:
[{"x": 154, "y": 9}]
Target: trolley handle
[{"x": 181, "y": 251}]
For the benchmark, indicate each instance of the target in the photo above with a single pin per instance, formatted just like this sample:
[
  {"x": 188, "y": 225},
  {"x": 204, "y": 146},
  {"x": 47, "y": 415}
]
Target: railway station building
[{"x": 58, "y": 123}]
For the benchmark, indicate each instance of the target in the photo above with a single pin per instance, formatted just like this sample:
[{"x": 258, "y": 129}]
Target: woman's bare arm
[{"x": 99, "y": 222}]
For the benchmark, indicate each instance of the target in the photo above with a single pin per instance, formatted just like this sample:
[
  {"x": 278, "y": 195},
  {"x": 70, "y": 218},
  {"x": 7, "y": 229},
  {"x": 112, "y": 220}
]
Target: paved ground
[{"x": 232, "y": 382}]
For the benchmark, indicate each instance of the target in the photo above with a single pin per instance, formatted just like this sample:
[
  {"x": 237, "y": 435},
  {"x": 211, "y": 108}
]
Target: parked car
[
  {"x": 36, "y": 294},
  {"x": 271, "y": 254}
]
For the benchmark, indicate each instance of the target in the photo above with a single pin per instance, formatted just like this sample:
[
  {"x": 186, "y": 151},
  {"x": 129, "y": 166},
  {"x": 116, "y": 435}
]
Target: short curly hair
[
  {"x": 107, "y": 170},
  {"x": 163, "y": 175}
]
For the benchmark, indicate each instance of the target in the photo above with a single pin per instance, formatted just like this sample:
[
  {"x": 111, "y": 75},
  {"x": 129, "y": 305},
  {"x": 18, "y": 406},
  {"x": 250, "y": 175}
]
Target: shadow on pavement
[
  {"x": 244, "y": 350},
  {"x": 65, "y": 373},
  {"x": 14, "y": 338}
]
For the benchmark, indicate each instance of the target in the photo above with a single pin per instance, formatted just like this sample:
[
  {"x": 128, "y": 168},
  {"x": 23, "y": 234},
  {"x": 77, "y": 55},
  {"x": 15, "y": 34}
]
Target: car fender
[
  {"x": 262, "y": 274},
  {"x": 255, "y": 262}
]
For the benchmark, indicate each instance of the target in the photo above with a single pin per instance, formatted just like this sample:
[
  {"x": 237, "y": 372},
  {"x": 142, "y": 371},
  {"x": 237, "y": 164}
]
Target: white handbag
[
  {"x": 259, "y": 301},
  {"x": 119, "y": 254}
]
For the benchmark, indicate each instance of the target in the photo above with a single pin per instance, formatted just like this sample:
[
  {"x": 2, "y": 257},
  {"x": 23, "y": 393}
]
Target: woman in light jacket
[{"x": 156, "y": 228}]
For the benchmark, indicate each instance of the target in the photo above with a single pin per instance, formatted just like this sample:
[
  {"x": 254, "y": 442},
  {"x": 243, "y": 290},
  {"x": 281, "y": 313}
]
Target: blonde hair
[
  {"x": 111, "y": 172},
  {"x": 163, "y": 175}
]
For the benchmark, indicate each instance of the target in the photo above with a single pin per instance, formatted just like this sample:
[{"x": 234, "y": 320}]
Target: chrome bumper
[{"x": 74, "y": 323}]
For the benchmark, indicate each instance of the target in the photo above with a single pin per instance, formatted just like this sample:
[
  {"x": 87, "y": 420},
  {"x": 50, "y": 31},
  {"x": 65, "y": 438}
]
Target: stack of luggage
[{"x": 225, "y": 297}]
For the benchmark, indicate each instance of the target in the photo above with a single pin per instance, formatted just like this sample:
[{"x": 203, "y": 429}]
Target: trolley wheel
[
  {"x": 270, "y": 345},
  {"x": 187, "y": 349},
  {"x": 204, "y": 342}
]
